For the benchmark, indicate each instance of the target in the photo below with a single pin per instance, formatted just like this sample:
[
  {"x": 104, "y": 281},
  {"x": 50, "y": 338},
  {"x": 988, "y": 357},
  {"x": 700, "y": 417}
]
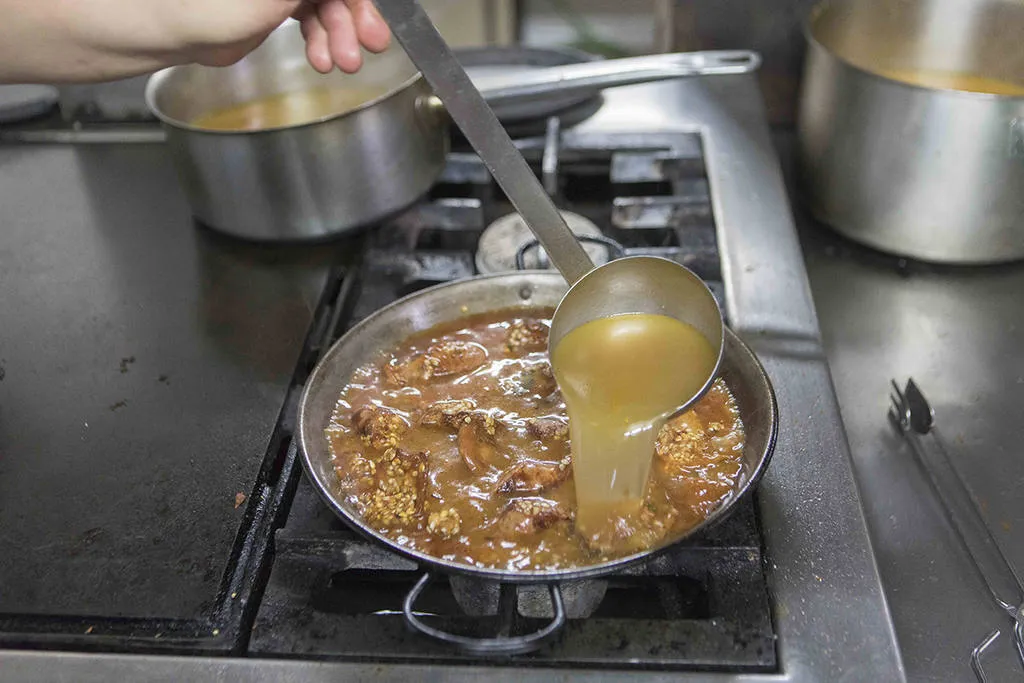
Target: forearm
[
  {"x": 61, "y": 41},
  {"x": 53, "y": 41},
  {"x": 76, "y": 40}
]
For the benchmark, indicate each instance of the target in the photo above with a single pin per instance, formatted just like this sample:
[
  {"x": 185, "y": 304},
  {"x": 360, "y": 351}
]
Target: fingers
[
  {"x": 318, "y": 51},
  {"x": 335, "y": 29},
  {"x": 343, "y": 41},
  {"x": 373, "y": 32}
]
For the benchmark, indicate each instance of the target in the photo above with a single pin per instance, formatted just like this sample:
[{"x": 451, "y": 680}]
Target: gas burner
[{"x": 502, "y": 239}]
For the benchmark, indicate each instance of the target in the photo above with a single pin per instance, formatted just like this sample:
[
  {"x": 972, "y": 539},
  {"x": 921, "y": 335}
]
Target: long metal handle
[
  {"x": 414, "y": 31},
  {"x": 912, "y": 416},
  {"x": 596, "y": 76},
  {"x": 998, "y": 574}
]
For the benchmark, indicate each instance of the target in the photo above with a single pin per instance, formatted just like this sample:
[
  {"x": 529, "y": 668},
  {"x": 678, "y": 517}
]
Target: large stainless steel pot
[
  {"x": 390, "y": 326},
  {"x": 933, "y": 174},
  {"x": 354, "y": 168}
]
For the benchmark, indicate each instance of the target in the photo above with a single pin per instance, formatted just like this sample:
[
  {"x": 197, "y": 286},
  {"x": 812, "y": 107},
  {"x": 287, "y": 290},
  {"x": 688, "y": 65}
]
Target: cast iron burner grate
[{"x": 703, "y": 606}]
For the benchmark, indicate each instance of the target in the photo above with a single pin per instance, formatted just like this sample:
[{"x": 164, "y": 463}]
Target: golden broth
[
  {"x": 952, "y": 80},
  {"x": 288, "y": 109},
  {"x": 620, "y": 377}
]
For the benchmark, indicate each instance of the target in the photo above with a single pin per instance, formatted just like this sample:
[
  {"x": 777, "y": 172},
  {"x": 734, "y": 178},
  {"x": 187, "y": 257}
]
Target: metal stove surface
[
  {"x": 825, "y": 600},
  {"x": 701, "y": 607}
]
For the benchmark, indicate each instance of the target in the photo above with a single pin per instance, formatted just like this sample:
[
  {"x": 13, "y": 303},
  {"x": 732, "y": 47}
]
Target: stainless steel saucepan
[
  {"x": 392, "y": 325},
  {"x": 344, "y": 171},
  {"x": 896, "y": 150}
]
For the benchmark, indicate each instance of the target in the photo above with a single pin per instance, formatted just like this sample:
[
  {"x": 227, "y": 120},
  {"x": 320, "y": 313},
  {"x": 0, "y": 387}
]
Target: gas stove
[
  {"x": 704, "y": 606},
  {"x": 785, "y": 589}
]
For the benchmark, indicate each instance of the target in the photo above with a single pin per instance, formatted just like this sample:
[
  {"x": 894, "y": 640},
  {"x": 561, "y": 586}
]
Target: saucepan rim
[{"x": 819, "y": 9}]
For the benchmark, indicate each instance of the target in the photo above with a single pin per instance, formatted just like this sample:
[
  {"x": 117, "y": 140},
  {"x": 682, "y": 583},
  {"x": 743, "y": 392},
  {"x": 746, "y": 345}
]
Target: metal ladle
[{"x": 635, "y": 284}]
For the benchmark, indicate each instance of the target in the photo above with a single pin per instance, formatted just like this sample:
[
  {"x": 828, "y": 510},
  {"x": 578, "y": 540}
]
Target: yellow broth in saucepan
[
  {"x": 288, "y": 109},
  {"x": 952, "y": 80}
]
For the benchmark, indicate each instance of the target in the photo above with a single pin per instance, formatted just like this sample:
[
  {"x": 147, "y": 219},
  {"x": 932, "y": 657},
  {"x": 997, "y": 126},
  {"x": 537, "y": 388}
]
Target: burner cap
[{"x": 499, "y": 243}]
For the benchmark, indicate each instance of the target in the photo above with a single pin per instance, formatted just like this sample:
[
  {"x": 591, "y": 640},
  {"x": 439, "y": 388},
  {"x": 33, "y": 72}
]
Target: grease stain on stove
[
  {"x": 126, "y": 362},
  {"x": 3, "y": 369},
  {"x": 88, "y": 538},
  {"x": 117, "y": 406},
  {"x": 164, "y": 379}
]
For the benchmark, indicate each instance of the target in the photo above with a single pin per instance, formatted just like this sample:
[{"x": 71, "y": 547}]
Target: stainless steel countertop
[
  {"x": 959, "y": 332},
  {"x": 829, "y": 610}
]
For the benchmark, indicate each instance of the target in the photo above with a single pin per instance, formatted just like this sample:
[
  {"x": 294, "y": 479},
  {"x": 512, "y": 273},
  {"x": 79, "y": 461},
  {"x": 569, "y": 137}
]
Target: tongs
[{"x": 912, "y": 415}]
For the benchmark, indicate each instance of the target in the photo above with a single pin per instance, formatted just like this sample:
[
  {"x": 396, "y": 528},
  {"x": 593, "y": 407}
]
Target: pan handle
[
  {"x": 513, "y": 645},
  {"x": 598, "y": 75}
]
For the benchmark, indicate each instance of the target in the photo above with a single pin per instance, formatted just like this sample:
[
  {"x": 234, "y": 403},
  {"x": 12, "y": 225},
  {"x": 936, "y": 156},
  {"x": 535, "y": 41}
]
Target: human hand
[
  {"x": 99, "y": 40},
  {"x": 334, "y": 30}
]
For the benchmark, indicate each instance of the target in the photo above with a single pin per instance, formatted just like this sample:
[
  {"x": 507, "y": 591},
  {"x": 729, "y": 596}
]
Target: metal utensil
[
  {"x": 913, "y": 416},
  {"x": 639, "y": 284},
  {"x": 430, "y": 53}
]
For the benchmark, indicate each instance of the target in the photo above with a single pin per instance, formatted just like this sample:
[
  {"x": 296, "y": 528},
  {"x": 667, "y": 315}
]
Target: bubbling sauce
[
  {"x": 456, "y": 443},
  {"x": 288, "y": 109},
  {"x": 621, "y": 377},
  {"x": 952, "y": 80}
]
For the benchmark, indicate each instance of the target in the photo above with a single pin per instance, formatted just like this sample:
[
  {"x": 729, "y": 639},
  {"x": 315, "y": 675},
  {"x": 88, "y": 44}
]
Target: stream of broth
[
  {"x": 288, "y": 109},
  {"x": 952, "y": 80},
  {"x": 620, "y": 377}
]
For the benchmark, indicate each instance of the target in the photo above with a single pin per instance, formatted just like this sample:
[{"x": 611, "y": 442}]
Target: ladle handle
[
  {"x": 427, "y": 49},
  {"x": 501, "y": 645},
  {"x": 596, "y": 76}
]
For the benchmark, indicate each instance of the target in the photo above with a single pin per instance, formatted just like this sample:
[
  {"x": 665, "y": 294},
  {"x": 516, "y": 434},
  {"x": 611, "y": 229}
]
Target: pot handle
[
  {"x": 486, "y": 646},
  {"x": 598, "y": 75}
]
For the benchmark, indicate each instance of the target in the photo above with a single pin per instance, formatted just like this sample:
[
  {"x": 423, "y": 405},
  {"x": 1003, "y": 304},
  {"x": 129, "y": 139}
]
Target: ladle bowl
[{"x": 643, "y": 284}]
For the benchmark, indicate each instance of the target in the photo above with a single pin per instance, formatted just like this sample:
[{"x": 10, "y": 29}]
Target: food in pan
[{"x": 456, "y": 444}]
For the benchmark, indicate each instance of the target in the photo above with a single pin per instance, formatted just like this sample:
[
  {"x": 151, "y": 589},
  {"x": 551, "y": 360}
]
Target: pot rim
[
  {"x": 507, "y": 575},
  {"x": 825, "y": 5},
  {"x": 158, "y": 79}
]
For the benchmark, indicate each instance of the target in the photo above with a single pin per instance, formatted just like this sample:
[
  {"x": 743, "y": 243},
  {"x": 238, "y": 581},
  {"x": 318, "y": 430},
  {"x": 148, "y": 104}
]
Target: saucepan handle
[
  {"x": 615, "y": 250},
  {"x": 593, "y": 77},
  {"x": 598, "y": 75},
  {"x": 512, "y": 645}
]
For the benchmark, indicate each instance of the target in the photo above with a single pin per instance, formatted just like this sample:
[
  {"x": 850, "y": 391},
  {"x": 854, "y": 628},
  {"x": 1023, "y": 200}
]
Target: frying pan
[{"x": 393, "y": 324}]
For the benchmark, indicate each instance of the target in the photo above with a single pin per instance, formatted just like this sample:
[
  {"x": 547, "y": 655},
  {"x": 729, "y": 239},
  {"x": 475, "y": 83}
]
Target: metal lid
[{"x": 496, "y": 250}]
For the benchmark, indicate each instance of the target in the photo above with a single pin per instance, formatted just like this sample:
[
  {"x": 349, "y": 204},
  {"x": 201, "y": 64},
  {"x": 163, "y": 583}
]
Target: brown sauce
[
  {"x": 456, "y": 444},
  {"x": 288, "y": 109}
]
